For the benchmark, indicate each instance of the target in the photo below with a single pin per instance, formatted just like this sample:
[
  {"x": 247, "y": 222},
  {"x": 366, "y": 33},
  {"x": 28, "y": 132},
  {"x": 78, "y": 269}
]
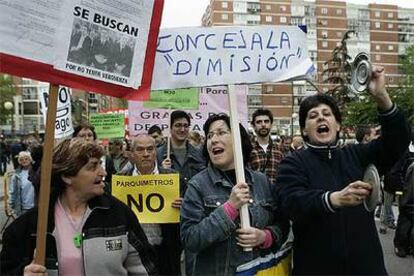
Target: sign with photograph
[{"x": 85, "y": 44}]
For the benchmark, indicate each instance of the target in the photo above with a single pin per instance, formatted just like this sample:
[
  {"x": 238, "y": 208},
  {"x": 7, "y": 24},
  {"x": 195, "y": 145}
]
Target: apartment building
[
  {"x": 382, "y": 31},
  {"x": 26, "y": 115}
]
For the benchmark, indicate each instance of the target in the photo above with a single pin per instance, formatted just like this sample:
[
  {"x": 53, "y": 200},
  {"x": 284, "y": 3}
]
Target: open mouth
[
  {"x": 217, "y": 151},
  {"x": 322, "y": 129},
  {"x": 98, "y": 181}
]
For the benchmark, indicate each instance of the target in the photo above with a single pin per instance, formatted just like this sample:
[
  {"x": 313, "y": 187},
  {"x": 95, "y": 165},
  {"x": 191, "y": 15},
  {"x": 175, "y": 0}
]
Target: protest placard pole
[
  {"x": 45, "y": 176},
  {"x": 169, "y": 134},
  {"x": 237, "y": 151}
]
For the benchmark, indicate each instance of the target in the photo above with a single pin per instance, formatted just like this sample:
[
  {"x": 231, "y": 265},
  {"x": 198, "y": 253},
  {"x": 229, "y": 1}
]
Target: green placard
[
  {"x": 174, "y": 99},
  {"x": 108, "y": 125}
]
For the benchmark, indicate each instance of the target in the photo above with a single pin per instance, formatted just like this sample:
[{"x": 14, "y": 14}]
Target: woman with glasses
[{"x": 210, "y": 221}]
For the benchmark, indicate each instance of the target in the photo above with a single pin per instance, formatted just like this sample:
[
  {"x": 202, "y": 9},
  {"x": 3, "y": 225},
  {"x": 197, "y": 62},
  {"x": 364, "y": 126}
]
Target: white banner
[
  {"x": 63, "y": 124},
  {"x": 212, "y": 100},
  {"x": 197, "y": 57}
]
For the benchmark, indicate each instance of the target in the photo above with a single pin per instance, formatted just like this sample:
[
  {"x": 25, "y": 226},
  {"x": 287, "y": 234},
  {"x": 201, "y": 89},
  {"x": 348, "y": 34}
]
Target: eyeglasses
[
  {"x": 220, "y": 133},
  {"x": 181, "y": 126}
]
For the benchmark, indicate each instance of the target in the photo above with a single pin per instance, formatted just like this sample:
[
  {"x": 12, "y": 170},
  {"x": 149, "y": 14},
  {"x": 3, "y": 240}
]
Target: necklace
[{"x": 77, "y": 238}]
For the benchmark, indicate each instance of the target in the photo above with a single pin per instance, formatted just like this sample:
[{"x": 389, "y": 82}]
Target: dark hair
[
  {"x": 178, "y": 114},
  {"x": 361, "y": 132},
  {"x": 154, "y": 129},
  {"x": 314, "y": 101},
  {"x": 244, "y": 136},
  {"x": 78, "y": 128},
  {"x": 262, "y": 112}
]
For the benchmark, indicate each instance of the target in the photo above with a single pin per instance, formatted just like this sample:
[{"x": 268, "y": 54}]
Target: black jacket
[
  {"x": 110, "y": 220},
  {"x": 330, "y": 241}
]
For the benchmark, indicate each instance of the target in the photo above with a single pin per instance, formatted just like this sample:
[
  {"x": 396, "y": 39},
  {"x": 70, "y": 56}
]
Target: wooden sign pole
[
  {"x": 169, "y": 135},
  {"x": 45, "y": 177},
  {"x": 238, "y": 154}
]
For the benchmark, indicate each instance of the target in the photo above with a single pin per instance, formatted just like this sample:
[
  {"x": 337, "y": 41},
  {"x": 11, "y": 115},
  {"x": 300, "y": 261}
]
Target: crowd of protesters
[{"x": 310, "y": 181}]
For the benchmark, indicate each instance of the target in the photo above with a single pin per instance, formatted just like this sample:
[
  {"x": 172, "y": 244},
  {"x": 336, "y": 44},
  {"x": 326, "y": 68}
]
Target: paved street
[{"x": 394, "y": 264}]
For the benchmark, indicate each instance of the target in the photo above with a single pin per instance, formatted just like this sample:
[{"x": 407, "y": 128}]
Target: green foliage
[
  {"x": 7, "y": 91},
  {"x": 361, "y": 111}
]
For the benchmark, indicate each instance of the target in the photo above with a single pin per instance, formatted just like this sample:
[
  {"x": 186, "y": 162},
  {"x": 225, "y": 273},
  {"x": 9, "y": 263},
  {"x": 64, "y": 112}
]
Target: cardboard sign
[
  {"x": 108, "y": 125},
  {"x": 212, "y": 100},
  {"x": 197, "y": 57},
  {"x": 149, "y": 196},
  {"x": 63, "y": 125},
  {"x": 173, "y": 99}
]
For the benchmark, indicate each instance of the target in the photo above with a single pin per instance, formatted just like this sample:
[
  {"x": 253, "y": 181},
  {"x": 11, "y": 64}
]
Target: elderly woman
[
  {"x": 321, "y": 188},
  {"x": 210, "y": 222},
  {"x": 89, "y": 232},
  {"x": 21, "y": 191}
]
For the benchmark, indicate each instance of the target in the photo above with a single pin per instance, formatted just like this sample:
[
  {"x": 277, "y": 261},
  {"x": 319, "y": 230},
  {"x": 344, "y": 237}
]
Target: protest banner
[
  {"x": 63, "y": 123},
  {"x": 58, "y": 42},
  {"x": 173, "y": 99},
  {"x": 149, "y": 196},
  {"x": 108, "y": 125},
  {"x": 212, "y": 100},
  {"x": 197, "y": 57}
]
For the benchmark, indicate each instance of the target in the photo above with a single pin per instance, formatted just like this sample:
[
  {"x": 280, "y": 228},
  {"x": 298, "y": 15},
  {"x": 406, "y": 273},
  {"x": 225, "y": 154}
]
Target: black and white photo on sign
[{"x": 101, "y": 48}]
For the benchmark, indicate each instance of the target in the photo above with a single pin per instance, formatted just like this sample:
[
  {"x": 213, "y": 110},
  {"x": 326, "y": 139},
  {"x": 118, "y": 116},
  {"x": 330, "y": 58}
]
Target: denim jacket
[
  {"x": 20, "y": 198},
  {"x": 210, "y": 234},
  {"x": 194, "y": 163}
]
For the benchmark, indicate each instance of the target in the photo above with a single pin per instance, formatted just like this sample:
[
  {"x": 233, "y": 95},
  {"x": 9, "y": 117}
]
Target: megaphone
[{"x": 361, "y": 72}]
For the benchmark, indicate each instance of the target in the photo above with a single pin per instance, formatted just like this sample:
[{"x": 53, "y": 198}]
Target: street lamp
[{"x": 9, "y": 106}]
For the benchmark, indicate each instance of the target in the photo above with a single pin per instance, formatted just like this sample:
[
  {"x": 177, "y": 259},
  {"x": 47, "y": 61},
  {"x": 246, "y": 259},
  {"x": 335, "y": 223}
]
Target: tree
[
  {"x": 7, "y": 91},
  {"x": 338, "y": 73}
]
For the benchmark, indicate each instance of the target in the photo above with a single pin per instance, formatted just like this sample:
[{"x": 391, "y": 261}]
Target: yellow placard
[{"x": 149, "y": 196}]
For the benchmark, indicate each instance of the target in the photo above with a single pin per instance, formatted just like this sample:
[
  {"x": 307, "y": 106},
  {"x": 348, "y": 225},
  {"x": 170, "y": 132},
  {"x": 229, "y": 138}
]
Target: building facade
[
  {"x": 26, "y": 116},
  {"x": 382, "y": 31}
]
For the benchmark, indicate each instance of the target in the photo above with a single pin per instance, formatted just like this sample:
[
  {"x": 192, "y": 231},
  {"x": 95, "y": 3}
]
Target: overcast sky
[{"x": 180, "y": 13}]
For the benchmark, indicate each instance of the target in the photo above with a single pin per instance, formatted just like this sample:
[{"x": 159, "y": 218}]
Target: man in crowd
[
  {"x": 365, "y": 134},
  {"x": 116, "y": 153},
  {"x": 297, "y": 143},
  {"x": 187, "y": 161},
  {"x": 4, "y": 155},
  {"x": 266, "y": 154},
  {"x": 156, "y": 133},
  {"x": 143, "y": 156},
  {"x": 15, "y": 148}
]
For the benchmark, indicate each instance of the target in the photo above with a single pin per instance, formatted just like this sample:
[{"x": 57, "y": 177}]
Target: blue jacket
[
  {"x": 332, "y": 241},
  {"x": 207, "y": 231},
  {"x": 194, "y": 163},
  {"x": 20, "y": 198}
]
